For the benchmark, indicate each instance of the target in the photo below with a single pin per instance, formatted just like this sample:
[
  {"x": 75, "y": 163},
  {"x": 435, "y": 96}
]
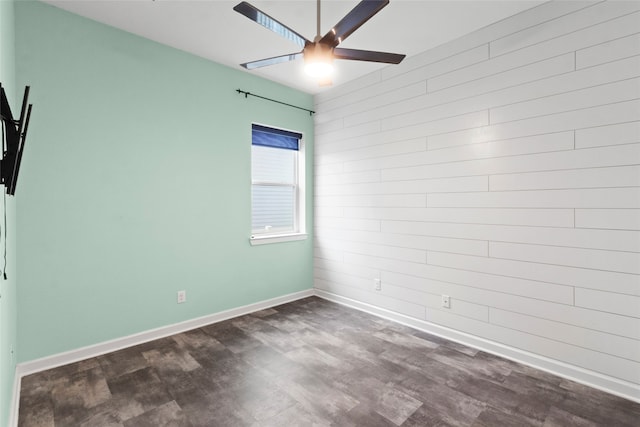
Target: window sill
[{"x": 276, "y": 238}]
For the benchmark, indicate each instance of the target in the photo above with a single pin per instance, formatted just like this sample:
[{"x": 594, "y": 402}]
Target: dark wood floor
[{"x": 310, "y": 362}]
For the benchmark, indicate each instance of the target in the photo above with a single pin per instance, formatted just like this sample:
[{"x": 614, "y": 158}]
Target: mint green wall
[
  {"x": 8, "y": 299},
  {"x": 136, "y": 184}
]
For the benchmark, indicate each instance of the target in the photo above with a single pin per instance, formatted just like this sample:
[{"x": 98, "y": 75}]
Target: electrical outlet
[
  {"x": 377, "y": 284},
  {"x": 446, "y": 301},
  {"x": 182, "y": 296}
]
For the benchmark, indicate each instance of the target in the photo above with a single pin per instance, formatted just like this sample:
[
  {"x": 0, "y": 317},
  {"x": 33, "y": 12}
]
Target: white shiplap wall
[{"x": 502, "y": 169}]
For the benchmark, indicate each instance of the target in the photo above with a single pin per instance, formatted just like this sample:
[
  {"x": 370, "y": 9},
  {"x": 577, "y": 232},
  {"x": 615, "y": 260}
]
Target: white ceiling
[{"x": 211, "y": 29}]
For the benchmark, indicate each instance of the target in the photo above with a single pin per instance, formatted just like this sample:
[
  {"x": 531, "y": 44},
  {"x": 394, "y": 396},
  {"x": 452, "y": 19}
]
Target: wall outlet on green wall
[{"x": 182, "y": 297}]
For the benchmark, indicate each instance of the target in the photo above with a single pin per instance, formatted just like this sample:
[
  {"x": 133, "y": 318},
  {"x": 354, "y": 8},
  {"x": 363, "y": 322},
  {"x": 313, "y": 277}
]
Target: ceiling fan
[{"x": 320, "y": 53}]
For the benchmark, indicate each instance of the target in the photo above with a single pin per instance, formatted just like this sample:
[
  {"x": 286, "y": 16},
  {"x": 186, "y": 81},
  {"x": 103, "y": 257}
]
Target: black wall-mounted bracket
[{"x": 15, "y": 135}]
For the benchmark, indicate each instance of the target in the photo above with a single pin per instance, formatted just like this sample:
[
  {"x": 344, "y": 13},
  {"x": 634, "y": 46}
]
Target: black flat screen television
[{"x": 14, "y": 133}]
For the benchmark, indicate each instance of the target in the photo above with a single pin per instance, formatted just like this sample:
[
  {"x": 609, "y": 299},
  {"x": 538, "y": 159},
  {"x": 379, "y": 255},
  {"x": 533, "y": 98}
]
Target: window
[{"x": 277, "y": 185}]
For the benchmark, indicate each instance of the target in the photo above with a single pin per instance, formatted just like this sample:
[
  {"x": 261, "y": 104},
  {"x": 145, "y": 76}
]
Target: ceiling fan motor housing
[{"x": 318, "y": 52}]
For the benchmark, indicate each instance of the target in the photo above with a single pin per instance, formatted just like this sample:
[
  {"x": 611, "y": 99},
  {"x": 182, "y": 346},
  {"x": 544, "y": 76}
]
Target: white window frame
[{"x": 299, "y": 232}]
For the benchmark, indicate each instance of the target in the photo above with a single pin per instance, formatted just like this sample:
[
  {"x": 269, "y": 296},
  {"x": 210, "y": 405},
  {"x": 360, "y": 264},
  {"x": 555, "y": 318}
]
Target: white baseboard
[
  {"x": 596, "y": 380},
  {"x": 60, "y": 359},
  {"x": 15, "y": 401},
  {"x": 94, "y": 350}
]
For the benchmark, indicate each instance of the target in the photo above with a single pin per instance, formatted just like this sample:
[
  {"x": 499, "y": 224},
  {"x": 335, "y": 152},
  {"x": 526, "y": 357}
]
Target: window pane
[
  {"x": 273, "y": 165},
  {"x": 273, "y": 208}
]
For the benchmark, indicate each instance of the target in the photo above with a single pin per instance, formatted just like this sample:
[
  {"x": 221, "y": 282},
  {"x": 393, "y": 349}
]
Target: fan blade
[
  {"x": 367, "y": 55},
  {"x": 271, "y": 61},
  {"x": 352, "y": 21},
  {"x": 268, "y": 22}
]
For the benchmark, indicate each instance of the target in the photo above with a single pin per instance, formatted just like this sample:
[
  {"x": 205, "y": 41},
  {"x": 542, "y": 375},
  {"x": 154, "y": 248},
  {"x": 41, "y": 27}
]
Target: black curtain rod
[{"x": 246, "y": 94}]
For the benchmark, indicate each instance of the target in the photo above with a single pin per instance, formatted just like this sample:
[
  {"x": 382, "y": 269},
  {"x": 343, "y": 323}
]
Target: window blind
[{"x": 275, "y": 138}]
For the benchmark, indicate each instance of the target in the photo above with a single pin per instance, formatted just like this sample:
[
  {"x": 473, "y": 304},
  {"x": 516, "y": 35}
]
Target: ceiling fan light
[
  {"x": 318, "y": 61},
  {"x": 318, "y": 69}
]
